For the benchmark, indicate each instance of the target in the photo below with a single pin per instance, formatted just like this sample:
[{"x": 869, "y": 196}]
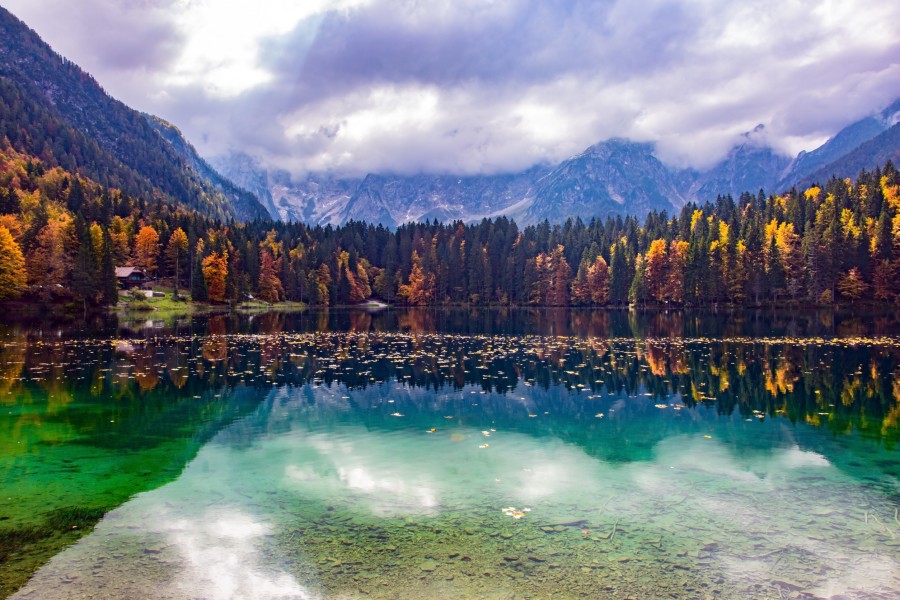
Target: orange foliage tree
[
  {"x": 215, "y": 270},
  {"x": 270, "y": 288},
  {"x": 146, "y": 249},
  {"x": 50, "y": 262},
  {"x": 420, "y": 289}
]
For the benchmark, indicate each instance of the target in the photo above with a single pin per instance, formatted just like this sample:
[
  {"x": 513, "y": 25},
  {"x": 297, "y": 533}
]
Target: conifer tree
[
  {"x": 176, "y": 252},
  {"x": 84, "y": 275},
  {"x": 109, "y": 285}
]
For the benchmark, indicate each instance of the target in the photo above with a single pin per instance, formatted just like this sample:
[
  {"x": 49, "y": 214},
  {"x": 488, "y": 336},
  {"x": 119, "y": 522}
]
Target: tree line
[{"x": 825, "y": 244}]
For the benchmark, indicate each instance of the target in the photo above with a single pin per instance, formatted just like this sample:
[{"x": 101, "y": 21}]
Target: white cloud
[{"x": 371, "y": 85}]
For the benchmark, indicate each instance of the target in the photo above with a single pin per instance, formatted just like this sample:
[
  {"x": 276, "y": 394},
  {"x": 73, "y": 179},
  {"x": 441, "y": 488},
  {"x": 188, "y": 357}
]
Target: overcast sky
[{"x": 482, "y": 86}]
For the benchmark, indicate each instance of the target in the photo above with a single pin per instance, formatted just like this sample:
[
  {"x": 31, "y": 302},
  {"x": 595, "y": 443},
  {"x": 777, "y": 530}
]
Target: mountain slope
[
  {"x": 876, "y": 151},
  {"x": 318, "y": 198},
  {"x": 52, "y": 109},
  {"x": 245, "y": 204},
  {"x": 611, "y": 178},
  {"x": 750, "y": 166},
  {"x": 844, "y": 142},
  {"x": 393, "y": 200}
]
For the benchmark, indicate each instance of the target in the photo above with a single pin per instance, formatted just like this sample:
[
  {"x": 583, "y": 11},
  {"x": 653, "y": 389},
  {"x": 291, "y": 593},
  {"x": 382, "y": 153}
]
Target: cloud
[{"x": 470, "y": 86}]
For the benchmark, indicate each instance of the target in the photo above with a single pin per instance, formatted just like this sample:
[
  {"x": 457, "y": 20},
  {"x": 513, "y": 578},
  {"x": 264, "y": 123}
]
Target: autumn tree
[
  {"x": 120, "y": 232},
  {"x": 270, "y": 288},
  {"x": 598, "y": 282},
  {"x": 851, "y": 285},
  {"x": 215, "y": 270},
  {"x": 419, "y": 289},
  {"x": 50, "y": 261},
  {"x": 673, "y": 288},
  {"x": 320, "y": 282},
  {"x": 13, "y": 276},
  {"x": 560, "y": 274},
  {"x": 656, "y": 267},
  {"x": 146, "y": 249}
]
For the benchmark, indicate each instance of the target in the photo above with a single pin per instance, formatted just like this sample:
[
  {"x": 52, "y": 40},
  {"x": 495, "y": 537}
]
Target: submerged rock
[{"x": 428, "y": 566}]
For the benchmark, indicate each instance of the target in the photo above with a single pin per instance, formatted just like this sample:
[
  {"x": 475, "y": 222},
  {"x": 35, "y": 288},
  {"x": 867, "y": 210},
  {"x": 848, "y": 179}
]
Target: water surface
[{"x": 401, "y": 457}]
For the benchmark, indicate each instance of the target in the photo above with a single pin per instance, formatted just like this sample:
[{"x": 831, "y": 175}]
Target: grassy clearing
[{"x": 168, "y": 306}]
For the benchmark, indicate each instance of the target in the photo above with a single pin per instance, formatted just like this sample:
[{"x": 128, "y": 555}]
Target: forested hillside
[
  {"x": 61, "y": 236},
  {"x": 50, "y": 108}
]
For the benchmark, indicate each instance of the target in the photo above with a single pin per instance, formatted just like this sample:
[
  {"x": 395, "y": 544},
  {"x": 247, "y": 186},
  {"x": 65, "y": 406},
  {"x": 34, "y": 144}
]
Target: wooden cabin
[{"x": 131, "y": 277}]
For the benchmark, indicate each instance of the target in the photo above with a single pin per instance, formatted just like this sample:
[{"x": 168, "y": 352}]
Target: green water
[{"x": 271, "y": 460}]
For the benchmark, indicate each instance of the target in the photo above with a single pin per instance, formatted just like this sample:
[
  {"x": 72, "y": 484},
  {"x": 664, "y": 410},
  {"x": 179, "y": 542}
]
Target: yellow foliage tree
[
  {"x": 50, "y": 262},
  {"x": 13, "y": 276}
]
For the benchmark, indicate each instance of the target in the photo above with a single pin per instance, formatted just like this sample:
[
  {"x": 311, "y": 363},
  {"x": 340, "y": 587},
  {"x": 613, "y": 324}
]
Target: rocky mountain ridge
[{"x": 614, "y": 177}]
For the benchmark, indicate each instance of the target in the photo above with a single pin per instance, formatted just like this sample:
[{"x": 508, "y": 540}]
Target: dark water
[{"x": 426, "y": 454}]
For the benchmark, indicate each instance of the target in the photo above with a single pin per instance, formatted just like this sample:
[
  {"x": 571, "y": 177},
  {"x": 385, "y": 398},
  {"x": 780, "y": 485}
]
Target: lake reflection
[{"x": 422, "y": 465}]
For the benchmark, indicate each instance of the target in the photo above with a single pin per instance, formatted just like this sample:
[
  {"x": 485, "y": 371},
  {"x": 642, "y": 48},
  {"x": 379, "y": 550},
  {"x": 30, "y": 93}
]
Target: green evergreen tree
[
  {"x": 85, "y": 272},
  {"x": 109, "y": 285},
  {"x": 198, "y": 282},
  {"x": 619, "y": 277}
]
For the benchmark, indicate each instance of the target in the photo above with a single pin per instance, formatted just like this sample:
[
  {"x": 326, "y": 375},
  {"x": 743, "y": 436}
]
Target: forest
[{"x": 63, "y": 234}]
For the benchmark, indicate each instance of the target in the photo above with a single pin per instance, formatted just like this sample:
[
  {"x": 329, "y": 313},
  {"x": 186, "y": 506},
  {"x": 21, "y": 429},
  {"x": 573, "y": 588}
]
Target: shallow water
[{"x": 422, "y": 465}]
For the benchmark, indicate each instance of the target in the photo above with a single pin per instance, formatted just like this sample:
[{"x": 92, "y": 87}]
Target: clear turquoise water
[{"x": 373, "y": 464}]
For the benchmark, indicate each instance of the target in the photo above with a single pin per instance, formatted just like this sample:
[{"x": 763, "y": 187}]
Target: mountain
[
  {"x": 51, "y": 108},
  {"x": 849, "y": 139},
  {"x": 317, "y": 198},
  {"x": 750, "y": 166},
  {"x": 877, "y": 151},
  {"x": 245, "y": 204},
  {"x": 609, "y": 178},
  {"x": 393, "y": 200},
  {"x": 615, "y": 177}
]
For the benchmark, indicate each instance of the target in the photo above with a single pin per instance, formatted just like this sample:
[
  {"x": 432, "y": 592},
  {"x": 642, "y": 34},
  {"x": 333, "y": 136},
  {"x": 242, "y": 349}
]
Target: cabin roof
[{"x": 125, "y": 272}]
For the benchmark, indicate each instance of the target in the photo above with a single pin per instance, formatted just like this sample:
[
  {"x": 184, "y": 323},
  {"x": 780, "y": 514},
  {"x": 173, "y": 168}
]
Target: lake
[{"x": 452, "y": 454}]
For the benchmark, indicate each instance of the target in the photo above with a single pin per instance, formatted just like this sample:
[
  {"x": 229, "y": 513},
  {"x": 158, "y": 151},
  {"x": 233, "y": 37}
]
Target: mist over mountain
[
  {"x": 52, "y": 109},
  {"x": 615, "y": 177}
]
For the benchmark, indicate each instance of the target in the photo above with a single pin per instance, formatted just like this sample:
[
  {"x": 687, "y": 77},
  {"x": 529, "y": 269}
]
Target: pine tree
[
  {"x": 619, "y": 277},
  {"x": 84, "y": 275},
  {"x": 637, "y": 294},
  {"x": 109, "y": 284},
  {"x": 176, "y": 252},
  {"x": 76, "y": 197},
  {"x": 198, "y": 281}
]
